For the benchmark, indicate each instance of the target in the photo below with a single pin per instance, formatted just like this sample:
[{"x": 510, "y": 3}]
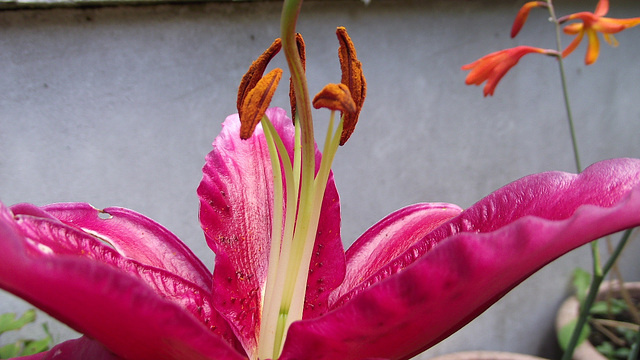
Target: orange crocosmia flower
[
  {"x": 591, "y": 24},
  {"x": 491, "y": 68},
  {"x": 523, "y": 14}
]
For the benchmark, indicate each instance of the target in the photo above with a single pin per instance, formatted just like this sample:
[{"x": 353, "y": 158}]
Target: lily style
[{"x": 283, "y": 287}]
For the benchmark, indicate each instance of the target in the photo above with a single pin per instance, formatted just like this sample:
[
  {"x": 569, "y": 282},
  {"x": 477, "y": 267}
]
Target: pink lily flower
[{"x": 412, "y": 279}]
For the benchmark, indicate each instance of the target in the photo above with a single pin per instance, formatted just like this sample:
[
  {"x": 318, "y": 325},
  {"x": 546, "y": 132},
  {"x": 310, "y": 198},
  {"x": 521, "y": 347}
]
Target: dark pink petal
[
  {"x": 79, "y": 349},
  {"x": 391, "y": 237},
  {"x": 106, "y": 303},
  {"x": 235, "y": 214},
  {"x": 49, "y": 236},
  {"x": 236, "y": 204},
  {"x": 134, "y": 236},
  {"x": 467, "y": 264},
  {"x": 327, "y": 267}
]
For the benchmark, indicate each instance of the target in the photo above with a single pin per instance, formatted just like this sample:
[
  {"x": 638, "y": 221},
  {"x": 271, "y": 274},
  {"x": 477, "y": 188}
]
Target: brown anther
[
  {"x": 353, "y": 78},
  {"x": 254, "y": 74},
  {"x": 335, "y": 97},
  {"x": 257, "y": 101},
  {"x": 303, "y": 60}
]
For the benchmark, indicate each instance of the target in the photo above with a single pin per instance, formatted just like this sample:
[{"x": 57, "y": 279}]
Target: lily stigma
[{"x": 283, "y": 287}]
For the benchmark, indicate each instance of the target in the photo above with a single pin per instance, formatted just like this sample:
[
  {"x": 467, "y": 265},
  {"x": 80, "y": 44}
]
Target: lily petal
[
  {"x": 106, "y": 303},
  {"x": 468, "y": 263},
  {"x": 391, "y": 237},
  {"x": 134, "y": 236},
  {"x": 236, "y": 203},
  {"x": 50, "y": 237}
]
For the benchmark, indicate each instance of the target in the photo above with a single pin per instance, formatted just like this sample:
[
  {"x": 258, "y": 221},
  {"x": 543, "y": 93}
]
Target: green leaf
[
  {"x": 609, "y": 307},
  {"x": 606, "y": 349},
  {"x": 11, "y": 350},
  {"x": 628, "y": 334},
  {"x": 22, "y": 347},
  {"x": 9, "y": 322},
  {"x": 622, "y": 353},
  {"x": 564, "y": 335},
  {"x": 581, "y": 282},
  {"x": 35, "y": 346}
]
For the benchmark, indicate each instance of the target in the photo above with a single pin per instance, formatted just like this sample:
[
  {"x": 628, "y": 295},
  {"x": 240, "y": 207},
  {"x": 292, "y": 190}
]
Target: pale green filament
[
  {"x": 297, "y": 151},
  {"x": 292, "y": 244},
  {"x": 276, "y": 228},
  {"x": 279, "y": 236},
  {"x": 314, "y": 207}
]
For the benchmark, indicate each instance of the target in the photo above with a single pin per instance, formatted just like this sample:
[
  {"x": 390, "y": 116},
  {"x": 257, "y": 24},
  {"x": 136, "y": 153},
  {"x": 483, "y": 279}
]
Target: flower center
[
  {"x": 297, "y": 207},
  {"x": 298, "y": 188}
]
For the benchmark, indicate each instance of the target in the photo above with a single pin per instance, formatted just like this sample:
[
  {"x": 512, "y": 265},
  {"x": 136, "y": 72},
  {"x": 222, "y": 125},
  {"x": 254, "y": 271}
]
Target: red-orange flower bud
[{"x": 523, "y": 14}]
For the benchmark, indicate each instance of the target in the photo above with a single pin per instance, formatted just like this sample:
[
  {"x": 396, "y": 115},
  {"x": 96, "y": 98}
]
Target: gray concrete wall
[{"x": 118, "y": 106}]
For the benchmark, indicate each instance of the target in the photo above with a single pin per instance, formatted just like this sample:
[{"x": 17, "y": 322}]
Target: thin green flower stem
[
  {"x": 289, "y": 17},
  {"x": 296, "y": 262},
  {"x": 598, "y": 273},
  {"x": 596, "y": 281},
  {"x": 565, "y": 91},
  {"x": 595, "y": 253},
  {"x": 290, "y": 11}
]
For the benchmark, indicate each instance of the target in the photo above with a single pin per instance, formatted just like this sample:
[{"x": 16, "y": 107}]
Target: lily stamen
[
  {"x": 257, "y": 101},
  {"x": 254, "y": 74}
]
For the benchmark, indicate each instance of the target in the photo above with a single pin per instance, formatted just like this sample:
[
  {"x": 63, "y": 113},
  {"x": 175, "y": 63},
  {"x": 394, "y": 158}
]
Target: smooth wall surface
[{"x": 118, "y": 106}]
